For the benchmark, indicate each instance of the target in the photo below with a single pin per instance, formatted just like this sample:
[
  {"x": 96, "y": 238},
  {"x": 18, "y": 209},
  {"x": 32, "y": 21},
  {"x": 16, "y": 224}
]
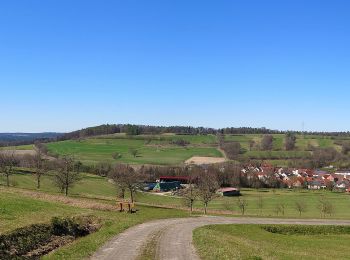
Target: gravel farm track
[{"x": 174, "y": 236}]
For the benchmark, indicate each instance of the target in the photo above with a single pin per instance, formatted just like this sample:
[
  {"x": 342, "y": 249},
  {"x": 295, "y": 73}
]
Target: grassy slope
[
  {"x": 156, "y": 149},
  {"x": 91, "y": 151},
  {"x": 17, "y": 211},
  {"x": 252, "y": 242},
  {"x": 99, "y": 187}
]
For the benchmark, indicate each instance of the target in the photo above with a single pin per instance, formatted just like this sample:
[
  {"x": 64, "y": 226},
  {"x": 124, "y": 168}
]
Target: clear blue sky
[{"x": 68, "y": 64}]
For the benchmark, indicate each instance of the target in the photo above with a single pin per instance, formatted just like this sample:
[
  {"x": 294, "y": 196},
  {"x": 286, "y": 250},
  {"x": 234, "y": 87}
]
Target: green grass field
[
  {"x": 91, "y": 151},
  {"x": 254, "y": 242},
  {"x": 92, "y": 186}
]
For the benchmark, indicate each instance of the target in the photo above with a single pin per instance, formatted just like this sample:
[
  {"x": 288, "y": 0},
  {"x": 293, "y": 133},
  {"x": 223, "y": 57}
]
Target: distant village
[{"x": 304, "y": 178}]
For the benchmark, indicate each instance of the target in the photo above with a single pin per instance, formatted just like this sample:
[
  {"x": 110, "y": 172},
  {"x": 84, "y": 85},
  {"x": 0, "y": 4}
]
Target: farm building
[
  {"x": 181, "y": 179},
  {"x": 167, "y": 186},
  {"x": 228, "y": 192}
]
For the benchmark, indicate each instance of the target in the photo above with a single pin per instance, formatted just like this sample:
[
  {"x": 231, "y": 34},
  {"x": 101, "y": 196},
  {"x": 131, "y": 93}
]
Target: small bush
[
  {"x": 75, "y": 226},
  {"x": 20, "y": 242},
  {"x": 23, "y": 240}
]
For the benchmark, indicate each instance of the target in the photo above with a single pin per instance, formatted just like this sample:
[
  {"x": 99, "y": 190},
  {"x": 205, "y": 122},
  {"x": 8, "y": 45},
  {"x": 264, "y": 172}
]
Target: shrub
[
  {"x": 23, "y": 240},
  {"x": 18, "y": 243},
  {"x": 75, "y": 226}
]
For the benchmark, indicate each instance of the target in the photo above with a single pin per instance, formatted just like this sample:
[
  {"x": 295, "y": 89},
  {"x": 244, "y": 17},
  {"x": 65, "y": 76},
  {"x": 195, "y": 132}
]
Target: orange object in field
[{"x": 125, "y": 206}]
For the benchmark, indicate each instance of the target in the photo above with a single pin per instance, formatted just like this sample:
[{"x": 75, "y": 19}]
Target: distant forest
[
  {"x": 22, "y": 139},
  {"x": 187, "y": 130}
]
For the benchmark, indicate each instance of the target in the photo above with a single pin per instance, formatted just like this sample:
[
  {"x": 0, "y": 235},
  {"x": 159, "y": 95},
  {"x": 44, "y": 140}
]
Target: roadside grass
[
  {"x": 91, "y": 151},
  {"x": 96, "y": 187},
  {"x": 253, "y": 242},
  {"x": 16, "y": 211}
]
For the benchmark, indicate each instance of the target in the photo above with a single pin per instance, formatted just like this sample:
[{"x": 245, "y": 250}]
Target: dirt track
[
  {"x": 199, "y": 160},
  {"x": 175, "y": 239}
]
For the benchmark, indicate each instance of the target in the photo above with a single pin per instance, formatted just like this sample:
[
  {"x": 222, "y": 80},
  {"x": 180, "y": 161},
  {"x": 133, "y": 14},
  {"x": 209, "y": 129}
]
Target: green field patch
[
  {"x": 254, "y": 242},
  {"x": 92, "y": 151}
]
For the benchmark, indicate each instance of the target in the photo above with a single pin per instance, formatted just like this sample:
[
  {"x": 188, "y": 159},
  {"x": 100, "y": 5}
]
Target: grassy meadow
[
  {"x": 150, "y": 151},
  {"x": 254, "y": 242},
  {"x": 157, "y": 149}
]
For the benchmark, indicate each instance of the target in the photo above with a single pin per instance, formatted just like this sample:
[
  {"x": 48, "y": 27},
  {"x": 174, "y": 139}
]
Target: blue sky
[{"x": 65, "y": 64}]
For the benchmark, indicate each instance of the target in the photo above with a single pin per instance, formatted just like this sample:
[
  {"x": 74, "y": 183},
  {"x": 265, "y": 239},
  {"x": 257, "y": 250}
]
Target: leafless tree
[
  {"x": 232, "y": 149},
  {"x": 300, "y": 206},
  {"x": 326, "y": 207},
  {"x": 207, "y": 186},
  {"x": 8, "y": 160},
  {"x": 290, "y": 140},
  {"x": 267, "y": 142},
  {"x": 134, "y": 152},
  {"x": 242, "y": 205},
  {"x": 190, "y": 194},
  {"x": 126, "y": 178},
  {"x": 67, "y": 174},
  {"x": 260, "y": 204},
  {"x": 251, "y": 145},
  {"x": 40, "y": 165}
]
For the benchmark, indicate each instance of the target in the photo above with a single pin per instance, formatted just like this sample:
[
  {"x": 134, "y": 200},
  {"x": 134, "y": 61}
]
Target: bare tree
[
  {"x": 267, "y": 142},
  {"x": 134, "y": 152},
  {"x": 190, "y": 194},
  {"x": 300, "y": 206},
  {"x": 280, "y": 208},
  {"x": 326, "y": 207},
  {"x": 251, "y": 145},
  {"x": 290, "y": 140},
  {"x": 242, "y": 205},
  {"x": 67, "y": 174},
  {"x": 207, "y": 186},
  {"x": 126, "y": 178},
  {"x": 232, "y": 149},
  {"x": 40, "y": 165},
  {"x": 260, "y": 204},
  {"x": 8, "y": 160}
]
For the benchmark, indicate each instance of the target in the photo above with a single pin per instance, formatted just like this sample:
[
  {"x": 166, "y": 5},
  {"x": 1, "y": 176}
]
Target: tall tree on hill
[
  {"x": 8, "y": 160},
  {"x": 126, "y": 178},
  {"x": 207, "y": 186},
  {"x": 67, "y": 174},
  {"x": 289, "y": 141},
  {"x": 267, "y": 142}
]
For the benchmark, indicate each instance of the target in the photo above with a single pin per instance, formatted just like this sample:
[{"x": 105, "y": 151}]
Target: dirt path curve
[{"x": 175, "y": 240}]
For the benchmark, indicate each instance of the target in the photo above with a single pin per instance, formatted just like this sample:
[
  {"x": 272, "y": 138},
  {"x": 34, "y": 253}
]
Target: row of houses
[{"x": 304, "y": 178}]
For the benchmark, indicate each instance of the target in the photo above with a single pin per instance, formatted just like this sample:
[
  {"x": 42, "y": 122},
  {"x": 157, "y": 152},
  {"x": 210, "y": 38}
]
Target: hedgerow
[{"x": 306, "y": 229}]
